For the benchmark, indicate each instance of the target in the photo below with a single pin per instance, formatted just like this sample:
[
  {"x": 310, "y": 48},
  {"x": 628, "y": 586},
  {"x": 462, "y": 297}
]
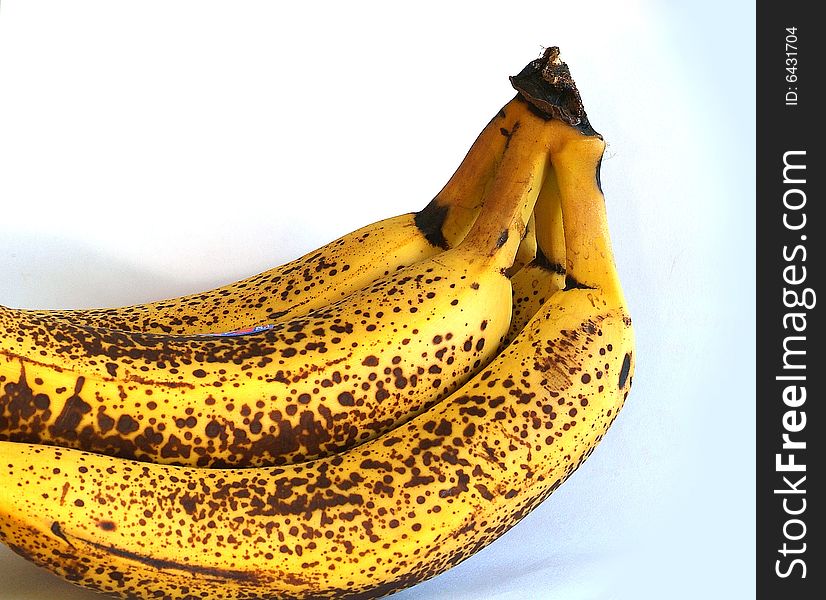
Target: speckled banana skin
[
  {"x": 375, "y": 518},
  {"x": 331, "y": 272},
  {"x": 362, "y": 524},
  {"x": 308, "y": 387}
]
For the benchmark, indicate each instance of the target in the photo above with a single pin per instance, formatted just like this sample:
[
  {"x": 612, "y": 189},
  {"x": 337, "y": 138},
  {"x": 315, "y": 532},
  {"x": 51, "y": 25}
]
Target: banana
[
  {"x": 542, "y": 276},
  {"x": 375, "y": 518},
  {"x": 303, "y": 388},
  {"x": 329, "y": 273}
]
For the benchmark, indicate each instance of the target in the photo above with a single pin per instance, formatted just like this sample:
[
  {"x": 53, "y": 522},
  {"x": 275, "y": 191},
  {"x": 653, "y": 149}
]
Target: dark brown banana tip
[{"x": 546, "y": 84}]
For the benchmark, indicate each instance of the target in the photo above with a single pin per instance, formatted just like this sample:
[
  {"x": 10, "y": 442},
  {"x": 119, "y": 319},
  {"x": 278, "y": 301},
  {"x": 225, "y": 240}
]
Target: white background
[{"x": 153, "y": 148}]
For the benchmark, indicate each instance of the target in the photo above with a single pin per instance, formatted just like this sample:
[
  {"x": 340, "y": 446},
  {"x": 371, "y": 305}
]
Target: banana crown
[{"x": 576, "y": 155}]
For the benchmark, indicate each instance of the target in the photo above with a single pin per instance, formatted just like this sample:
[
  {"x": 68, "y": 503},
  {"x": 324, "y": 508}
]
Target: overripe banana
[
  {"x": 303, "y": 388},
  {"x": 379, "y": 517},
  {"x": 331, "y": 272}
]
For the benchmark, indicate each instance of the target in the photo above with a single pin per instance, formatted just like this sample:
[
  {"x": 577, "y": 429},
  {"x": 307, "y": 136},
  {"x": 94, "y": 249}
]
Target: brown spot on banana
[{"x": 400, "y": 509}]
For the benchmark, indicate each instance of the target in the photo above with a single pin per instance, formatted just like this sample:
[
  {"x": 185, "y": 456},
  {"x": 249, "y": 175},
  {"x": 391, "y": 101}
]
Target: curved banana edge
[{"x": 331, "y": 272}]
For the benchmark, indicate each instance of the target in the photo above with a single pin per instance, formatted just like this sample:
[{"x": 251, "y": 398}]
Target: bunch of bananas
[{"x": 344, "y": 425}]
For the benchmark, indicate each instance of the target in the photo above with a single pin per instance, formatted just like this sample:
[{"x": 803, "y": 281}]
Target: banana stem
[
  {"x": 547, "y": 86},
  {"x": 463, "y": 189},
  {"x": 576, "y": 153},
  {"x": 590, "y": 260},
  {"x": 451, "y": 213},
  {"x": 498, "y": 230}
]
